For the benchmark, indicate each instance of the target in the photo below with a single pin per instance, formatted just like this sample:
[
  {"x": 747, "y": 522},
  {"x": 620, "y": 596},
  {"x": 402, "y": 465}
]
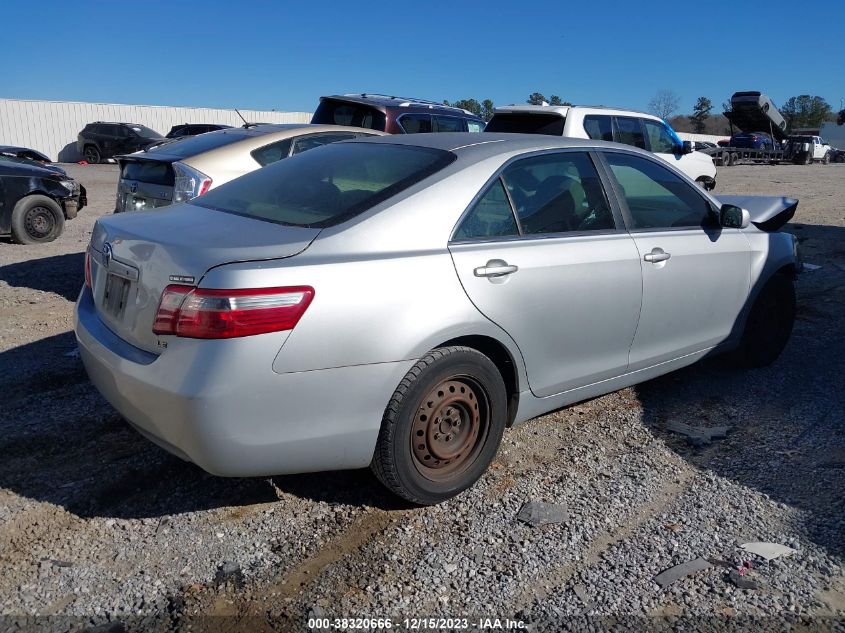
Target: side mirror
[
  {"x": 733, "y": 217},
  {"x": 687, "y": 148}
]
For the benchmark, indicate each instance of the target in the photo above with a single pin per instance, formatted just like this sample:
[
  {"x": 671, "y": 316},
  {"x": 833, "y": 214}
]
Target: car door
[
  {"x": 695, "y": 274},
  {"x": 542, "y": 253}
]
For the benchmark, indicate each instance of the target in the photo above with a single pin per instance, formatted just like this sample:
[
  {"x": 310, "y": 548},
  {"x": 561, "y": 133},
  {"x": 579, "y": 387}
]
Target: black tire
[
  {"x": 808, "y": 159},
  {"x": 840, "y": 158},
  {"x": 37, "y": 219},
  {"x": 92, "y": 154},
  {"x": 732, "y": 159},
  {"x": 410, "y": 456},
  {"x": 701, "y": 183},
  {"x": 769, "y": 323},
  {"x": 826, "y": 159}
]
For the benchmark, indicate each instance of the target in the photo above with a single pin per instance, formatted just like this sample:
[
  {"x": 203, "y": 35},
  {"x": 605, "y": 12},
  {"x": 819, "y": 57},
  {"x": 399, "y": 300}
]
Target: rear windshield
[
  {"x": 331, "y": 112},
  {"x": 327, "y": 185},
  {"x": 150, "y": 171},
  {"x": 193, "y": 145},
  {"x": 527, "y": 123}
]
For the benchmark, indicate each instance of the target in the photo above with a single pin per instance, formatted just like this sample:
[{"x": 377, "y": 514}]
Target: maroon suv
[{"x": 395, "y": 115}]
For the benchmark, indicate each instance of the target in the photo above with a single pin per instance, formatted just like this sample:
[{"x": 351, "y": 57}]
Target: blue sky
[{"x": 284, "y": 55}]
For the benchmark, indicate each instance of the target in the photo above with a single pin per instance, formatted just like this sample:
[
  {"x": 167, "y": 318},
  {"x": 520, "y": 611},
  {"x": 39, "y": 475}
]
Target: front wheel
[
  {"x": 92, "y": 154},
  {"x": 826, "y": 159},
  {"x": 769, "y": 323},
  {"x": 442, "y": 426},
  {"x": 37, "y": 219}
]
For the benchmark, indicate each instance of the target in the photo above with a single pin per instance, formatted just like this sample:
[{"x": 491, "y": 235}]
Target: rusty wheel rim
[{"x": 450, "y": 427}]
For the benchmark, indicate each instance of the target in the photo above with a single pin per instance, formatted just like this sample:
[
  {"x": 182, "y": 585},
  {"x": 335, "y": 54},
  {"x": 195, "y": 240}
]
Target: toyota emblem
[{"x": 107, "y": 254}]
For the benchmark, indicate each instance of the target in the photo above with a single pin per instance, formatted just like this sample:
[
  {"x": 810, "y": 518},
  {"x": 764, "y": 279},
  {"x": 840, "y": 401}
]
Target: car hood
[{"x": 768, "y": 213}]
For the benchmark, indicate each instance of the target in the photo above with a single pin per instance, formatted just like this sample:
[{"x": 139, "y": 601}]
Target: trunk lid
[
  {"x": 145, "y": 183},
  {"x": 134, "y": 256}
]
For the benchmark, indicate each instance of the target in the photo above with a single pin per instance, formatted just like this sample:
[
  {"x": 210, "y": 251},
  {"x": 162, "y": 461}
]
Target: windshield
[
  {"x": 327, "y": 185},
  {"x": 526, "y": 123},
  {"x": 143, "y": 130},
  {"x": 331, "y": 112}
]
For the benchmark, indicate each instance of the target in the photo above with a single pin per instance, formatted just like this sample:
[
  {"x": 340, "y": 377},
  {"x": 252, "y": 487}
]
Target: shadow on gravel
[
  {"x": 60, "y": 274},
  {"x": 788, "y": 420},
  {"x": 63, "y": 444}
]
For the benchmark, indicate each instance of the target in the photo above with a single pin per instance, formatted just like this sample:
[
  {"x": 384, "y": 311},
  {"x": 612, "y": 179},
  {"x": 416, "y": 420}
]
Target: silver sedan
[{"x": 398, "y": 302}]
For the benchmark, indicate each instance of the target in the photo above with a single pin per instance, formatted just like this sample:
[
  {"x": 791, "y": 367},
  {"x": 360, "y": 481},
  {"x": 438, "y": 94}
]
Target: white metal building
[{"x": 51, "y": 126}]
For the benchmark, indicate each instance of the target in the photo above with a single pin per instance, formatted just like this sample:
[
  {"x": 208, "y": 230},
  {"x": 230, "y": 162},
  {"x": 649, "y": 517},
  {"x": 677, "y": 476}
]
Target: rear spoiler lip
[{"x": 768, "y": 213}]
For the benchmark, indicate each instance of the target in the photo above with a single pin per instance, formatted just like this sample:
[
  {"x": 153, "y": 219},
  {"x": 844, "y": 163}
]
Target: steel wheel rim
[
  {"x": 39, "y": 222},
  {"x": 450, "y": 428}
]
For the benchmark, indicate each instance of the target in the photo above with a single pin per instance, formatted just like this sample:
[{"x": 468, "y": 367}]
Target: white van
[{"x": 641, "y": 130}]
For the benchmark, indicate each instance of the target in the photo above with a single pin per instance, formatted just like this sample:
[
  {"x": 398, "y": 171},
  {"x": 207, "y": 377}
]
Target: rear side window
[
  {"x": 415, "y": 123},
  {"x": 491, "y": 216},
  {"x": 448, "y": 124},
  {"x": 304, "y": 143},
  {"x": 557, "y": 193},
  {"x": 328, "y": 185},
  {"x": 629, "y": 131},
  {"x": 475, "y": 126},
  {"x": 519, "y": 123},
  {"x": 599, "y": 127},
  {"x": 149, "y": 171},
  {"x": 272, "y": 152},
  {"x": 355, "y": 114}
]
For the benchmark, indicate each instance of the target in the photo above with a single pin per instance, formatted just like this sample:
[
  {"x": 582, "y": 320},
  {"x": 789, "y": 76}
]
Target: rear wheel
[
  {"x": 92, "y": 154},
  {"x": 808, "y": 159},
  {"x": 826, "y": 159},
  {"x": 37, "y": 219},
  {"x": 769, "y": 323},
  {"x": 442, "y": 426}
]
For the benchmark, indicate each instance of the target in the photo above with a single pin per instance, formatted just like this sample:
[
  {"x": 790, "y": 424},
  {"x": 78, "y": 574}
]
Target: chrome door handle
[
  {"x": 495, "y": 268},
  {"x": 656, "y": 255}
]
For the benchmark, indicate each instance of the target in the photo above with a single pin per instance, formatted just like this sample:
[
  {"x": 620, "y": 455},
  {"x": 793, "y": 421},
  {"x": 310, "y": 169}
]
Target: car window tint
[
  {"x": 328, "y": 185},
  {"x": 272, "y": 152},
  {"x": 340, "y": 113},
  {"x": 448, "y": 124},
  {"x": 657, "y": 197},
  {"x": 475, "y": 126},
  {"x": 491, "y": 216},
  {"x": 304, "y": 143},
  {"x": 629, "y": 132},
  {"x": 598, "y": 127},
  {"x": 415, "y": 123},
  {"x": 530, "y": 123},
  {"x": 555, "y": 193},
  {"x": 659, "y": 139}
]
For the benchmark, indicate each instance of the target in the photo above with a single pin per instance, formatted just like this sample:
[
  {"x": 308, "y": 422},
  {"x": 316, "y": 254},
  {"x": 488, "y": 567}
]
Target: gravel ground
[{"x": 98, "y": 525}]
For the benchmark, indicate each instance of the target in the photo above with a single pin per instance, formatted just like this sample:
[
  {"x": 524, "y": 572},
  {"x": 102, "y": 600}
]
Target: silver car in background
[
  {"x": 176, "y": 171},
  {"x": 398, "y": 302}
]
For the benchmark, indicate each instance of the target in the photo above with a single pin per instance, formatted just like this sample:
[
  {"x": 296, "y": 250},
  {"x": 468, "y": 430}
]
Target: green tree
[
  {"x": 487, "y": 109},
  {"x": 840, "y": 120},
  {"x": 806, "y": 111},
  {"x": 700, "y": 114},
  {"x": 468, "y": 104},
  {"x": 536, "y": 98}
]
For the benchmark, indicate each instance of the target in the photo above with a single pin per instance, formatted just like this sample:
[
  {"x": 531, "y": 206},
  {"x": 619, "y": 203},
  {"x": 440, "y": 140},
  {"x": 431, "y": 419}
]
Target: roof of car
[
  {"x": 481, "y": 145},
  {"x": 397, "y": 102},
  {"x": 563, "y": 110}
]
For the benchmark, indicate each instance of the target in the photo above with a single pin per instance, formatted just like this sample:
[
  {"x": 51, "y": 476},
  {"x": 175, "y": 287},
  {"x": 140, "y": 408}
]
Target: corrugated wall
[{"x": 51, "y": 126}]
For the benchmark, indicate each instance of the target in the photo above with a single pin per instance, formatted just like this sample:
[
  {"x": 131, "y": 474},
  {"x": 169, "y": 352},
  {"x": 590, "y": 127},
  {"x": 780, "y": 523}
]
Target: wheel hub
[{"x": 448, "y": 427}]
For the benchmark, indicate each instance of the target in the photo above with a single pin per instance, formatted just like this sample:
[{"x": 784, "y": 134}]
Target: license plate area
[{"x": 116, "y": 295}]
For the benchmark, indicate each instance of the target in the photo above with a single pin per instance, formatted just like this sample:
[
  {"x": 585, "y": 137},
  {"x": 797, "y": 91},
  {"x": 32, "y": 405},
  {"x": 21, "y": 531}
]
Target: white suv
[{"x": 622, "y": 126}]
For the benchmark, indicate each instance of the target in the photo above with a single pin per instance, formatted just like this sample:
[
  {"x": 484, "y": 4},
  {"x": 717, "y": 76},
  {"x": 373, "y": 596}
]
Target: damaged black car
[{"x": 35, "y": 202}]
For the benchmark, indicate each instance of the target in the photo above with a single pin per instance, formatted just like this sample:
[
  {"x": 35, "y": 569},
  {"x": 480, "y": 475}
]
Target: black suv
[
  {"x": 192, "y": 129},
  {"x": 395, "y": 115},
  {"x": 106, "y": 140}
]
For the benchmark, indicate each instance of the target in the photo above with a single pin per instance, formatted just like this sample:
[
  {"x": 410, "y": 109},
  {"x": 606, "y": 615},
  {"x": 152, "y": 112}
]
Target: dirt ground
[{"x": 99, "y": 525}]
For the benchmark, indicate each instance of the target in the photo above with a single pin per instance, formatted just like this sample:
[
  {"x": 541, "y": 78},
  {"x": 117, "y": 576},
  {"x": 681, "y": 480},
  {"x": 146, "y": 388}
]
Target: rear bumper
[{"x": 225, "y": 409}]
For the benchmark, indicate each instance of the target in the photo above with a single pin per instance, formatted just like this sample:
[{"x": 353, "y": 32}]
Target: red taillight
[
  {"x": 210, "y": 313},
  {"x": 88, "y": 267}
]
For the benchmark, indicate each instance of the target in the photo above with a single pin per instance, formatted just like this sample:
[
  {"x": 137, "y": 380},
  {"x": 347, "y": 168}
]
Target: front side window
[
  {"x": 657, "y": 198},
  {"x": 491, "y": 216},
  {"x": 448, "y": 124},
  {"x": 556, "y": 193},
  {"x": 415, "y": 123},
  {"x": 474, "y": 126},
  {"x": 629, "y": 131},
  {"x": 599, "y": 127},
  {"x": 659, "y": 139},
  {"x": 327, "y": 186}
]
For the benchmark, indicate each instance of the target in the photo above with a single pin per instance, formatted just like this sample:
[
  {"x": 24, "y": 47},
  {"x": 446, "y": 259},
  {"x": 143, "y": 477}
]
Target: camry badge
[{"x": 182, "y": 279}]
